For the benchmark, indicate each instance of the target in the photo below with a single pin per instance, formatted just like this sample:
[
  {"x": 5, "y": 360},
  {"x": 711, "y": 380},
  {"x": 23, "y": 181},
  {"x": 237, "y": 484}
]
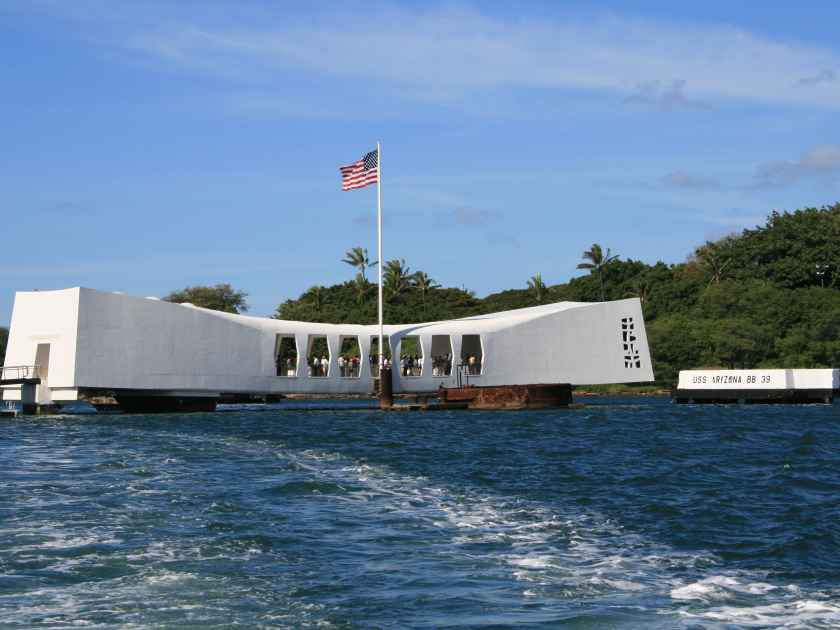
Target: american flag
[{"x": 360, "y": 174}]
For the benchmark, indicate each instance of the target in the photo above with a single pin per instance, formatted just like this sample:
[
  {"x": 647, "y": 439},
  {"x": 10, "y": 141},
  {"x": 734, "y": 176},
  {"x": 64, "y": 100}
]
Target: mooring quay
[{"x": 758, "y": 386}]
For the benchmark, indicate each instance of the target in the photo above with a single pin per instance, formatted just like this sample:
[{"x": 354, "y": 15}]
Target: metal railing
[{"x": 19, "y": 372}]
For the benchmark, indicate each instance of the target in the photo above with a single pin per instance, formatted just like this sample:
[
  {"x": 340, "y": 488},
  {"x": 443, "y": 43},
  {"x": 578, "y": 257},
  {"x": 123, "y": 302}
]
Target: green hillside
[{"x": 767, "y": 297}]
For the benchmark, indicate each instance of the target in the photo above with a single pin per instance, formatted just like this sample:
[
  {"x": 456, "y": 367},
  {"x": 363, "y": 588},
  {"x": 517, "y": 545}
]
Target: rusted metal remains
[{"x": 538, "y": 396}]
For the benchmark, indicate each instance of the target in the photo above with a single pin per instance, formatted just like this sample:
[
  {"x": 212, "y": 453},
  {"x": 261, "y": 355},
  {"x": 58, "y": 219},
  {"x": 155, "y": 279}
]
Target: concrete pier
[{"x": 767, "y": 386}]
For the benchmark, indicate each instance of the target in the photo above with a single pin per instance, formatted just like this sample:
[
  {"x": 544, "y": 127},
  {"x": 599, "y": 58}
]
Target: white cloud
[
  {"x": 823, "y": 76},
  {"x": 822, "y": 162},
  {"x": 472, "y": 216},
  {"x": 443, "y": 55},
  {"x": 681, "y": 179},
  {"x": 666, "y": 97}
]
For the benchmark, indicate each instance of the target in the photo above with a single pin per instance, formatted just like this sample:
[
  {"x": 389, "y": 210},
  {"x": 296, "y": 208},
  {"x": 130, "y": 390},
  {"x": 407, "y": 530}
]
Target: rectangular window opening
[
  {"x": 411, "y": 356},
  {"x": 373, "y": 357},
  {"x": 441, "y": 355},
  {"x": 286, "y": 355},
  {"x": 318, "y": 357},
  {"x": 472, "y": 355},
  {"x": 349, "y": 358}
]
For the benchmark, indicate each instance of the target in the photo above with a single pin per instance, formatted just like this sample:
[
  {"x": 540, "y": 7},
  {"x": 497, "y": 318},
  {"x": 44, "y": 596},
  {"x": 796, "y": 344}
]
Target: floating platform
[{"x": 771, "y": 386}]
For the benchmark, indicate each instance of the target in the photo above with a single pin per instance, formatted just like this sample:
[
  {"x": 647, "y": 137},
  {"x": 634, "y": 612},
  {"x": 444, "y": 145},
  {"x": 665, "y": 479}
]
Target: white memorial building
[{"x": 83, "y": 339}]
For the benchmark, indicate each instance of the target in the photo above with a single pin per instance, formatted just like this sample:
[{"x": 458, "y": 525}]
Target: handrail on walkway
[{"x": 19, "y": 372}]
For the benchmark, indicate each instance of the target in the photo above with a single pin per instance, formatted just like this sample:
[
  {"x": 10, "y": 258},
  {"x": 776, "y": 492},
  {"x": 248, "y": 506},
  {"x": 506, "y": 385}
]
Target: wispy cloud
[
  {"x": 471, "y": 216},
  {"x": 664, "y": 96},
  {"x": 823, "y": 76},
  {"x": 683, "y": 180},
  {"x": 822, "y": 162},
  {"x": 442, "y": 55}
]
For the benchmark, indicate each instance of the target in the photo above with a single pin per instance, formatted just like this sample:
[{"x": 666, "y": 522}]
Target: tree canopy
[
  {"x": 221, "y": 297},
  {"x": 767, "y": 297}
]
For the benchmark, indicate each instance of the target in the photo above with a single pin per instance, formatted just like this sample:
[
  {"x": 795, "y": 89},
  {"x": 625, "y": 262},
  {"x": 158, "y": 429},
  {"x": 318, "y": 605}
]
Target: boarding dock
[{"x": 782, "y": 386}]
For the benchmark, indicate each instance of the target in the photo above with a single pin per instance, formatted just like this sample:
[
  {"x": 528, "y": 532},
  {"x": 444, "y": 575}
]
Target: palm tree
[
  {"x": 641, "y": 289},
  {"x": 397, "y": 277},
  {"x": 358, "y": 257},
  {"x": 598, "y": 262},
  {"x": 714, "y": 260},
  {"x": 362, "y": 287},
  {"x": 537, "y": 287},
  {"x": 423, "y": 283}
]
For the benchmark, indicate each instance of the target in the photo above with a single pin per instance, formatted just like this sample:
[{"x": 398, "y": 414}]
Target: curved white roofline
[{"x": 105, "y": 340}]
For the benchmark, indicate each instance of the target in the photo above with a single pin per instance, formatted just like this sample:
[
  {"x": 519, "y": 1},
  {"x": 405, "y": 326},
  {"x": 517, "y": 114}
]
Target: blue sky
[{"x": 154, "y": 145}]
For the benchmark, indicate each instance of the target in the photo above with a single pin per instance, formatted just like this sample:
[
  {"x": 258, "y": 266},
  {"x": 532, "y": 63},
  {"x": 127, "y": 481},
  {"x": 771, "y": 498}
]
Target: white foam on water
[
  {"x": 736, "y": 600},
  {"x": 142, "y": 583},
  {"x": 535, "y": 562},
  {"x": 803, "y": 613},
  {"x": 575, "y": 555},
  {"x": 548, "y": 553},
  {"x": 169, "y": 577},
  {"x": 716, "y": 587},
  {"x": 538, "y": 545},
  {"x": 720, "y": 587}
]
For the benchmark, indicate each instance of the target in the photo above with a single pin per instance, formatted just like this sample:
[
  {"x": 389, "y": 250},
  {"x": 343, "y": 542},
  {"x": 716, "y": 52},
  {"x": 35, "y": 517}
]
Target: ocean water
[{"x": 631, "y": 513}]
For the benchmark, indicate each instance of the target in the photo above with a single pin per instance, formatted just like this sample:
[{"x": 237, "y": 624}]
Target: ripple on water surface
[{"x": 637, "y": 514}]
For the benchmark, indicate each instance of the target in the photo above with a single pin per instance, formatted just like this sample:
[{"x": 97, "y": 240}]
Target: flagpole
[{"x": 379, "y": 250}]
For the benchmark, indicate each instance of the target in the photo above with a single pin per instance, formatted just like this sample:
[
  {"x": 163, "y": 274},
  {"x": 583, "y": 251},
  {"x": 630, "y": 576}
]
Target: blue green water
[{"x": 628, "y": 513}]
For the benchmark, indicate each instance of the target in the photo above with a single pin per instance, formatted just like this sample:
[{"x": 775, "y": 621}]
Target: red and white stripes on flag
[{"x": 362, "y": 173}]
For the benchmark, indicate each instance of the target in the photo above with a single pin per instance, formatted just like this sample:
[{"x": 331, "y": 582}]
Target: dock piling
[{"x": 386, "y": 389}]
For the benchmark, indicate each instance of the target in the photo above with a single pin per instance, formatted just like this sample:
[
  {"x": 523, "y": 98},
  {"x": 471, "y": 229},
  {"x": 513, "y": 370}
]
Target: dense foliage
[
  {"x": 768, "y": 297},
  {"x": 221, "y": 297}
]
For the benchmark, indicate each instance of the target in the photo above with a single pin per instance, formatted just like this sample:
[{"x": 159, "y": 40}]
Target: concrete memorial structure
[{"x": 155, "y": 355}]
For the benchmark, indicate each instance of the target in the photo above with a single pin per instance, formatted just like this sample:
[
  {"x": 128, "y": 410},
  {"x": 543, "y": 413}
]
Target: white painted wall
[
  {"x": 825, "y": 378},
  {"x": 45, "y": 317},
  {"x": 113, "y": 341},
  {"x": 760, "y": 379}
]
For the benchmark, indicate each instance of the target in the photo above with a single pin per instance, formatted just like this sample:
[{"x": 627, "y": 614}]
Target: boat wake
[
  {"x": 560, "y": 559},
  {"x": 212, "y": 529}
]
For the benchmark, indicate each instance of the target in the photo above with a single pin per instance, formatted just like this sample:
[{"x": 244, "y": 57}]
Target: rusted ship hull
[{"x": 508, "y": 396}]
